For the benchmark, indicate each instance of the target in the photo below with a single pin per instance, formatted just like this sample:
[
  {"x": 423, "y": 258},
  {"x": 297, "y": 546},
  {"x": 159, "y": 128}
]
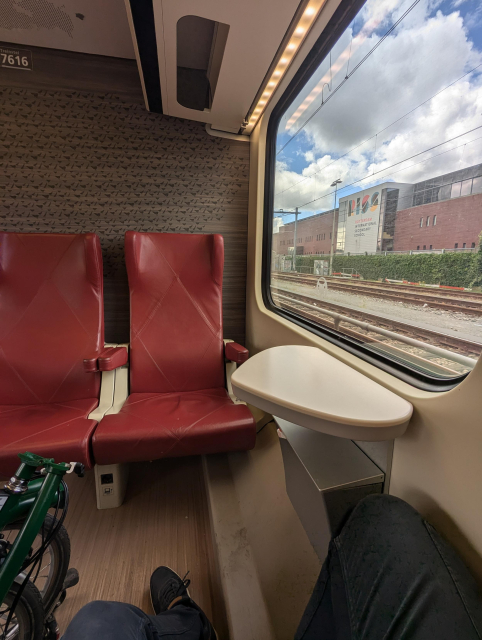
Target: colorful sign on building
[{"x": 362, "y": 220}]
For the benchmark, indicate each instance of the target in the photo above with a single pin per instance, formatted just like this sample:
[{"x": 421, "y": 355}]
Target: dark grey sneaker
[{"x": 166, "y": 587}]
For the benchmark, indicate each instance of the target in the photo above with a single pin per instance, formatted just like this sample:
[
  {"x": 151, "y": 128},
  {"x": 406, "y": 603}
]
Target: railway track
[
  {"x": 455, "y": 293},
  {"x": 450, "y": 301},
  {"x": 445, "y": 341}
]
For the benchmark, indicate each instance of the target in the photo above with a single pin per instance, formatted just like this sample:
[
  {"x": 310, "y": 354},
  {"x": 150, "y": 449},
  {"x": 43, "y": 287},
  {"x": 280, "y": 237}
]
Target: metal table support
[{"x": 325, "y": 477}]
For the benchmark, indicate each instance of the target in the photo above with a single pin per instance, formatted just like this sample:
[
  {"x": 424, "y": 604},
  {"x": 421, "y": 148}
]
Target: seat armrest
[
  {"x": 107, "y": 360},
  {"x": 90, "y": 365},
  {"x": 112, "y": 358},
  {"x": 235, "y": 352}
]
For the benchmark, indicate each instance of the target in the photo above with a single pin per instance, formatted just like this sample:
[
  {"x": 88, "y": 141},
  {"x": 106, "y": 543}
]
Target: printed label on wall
[{"x": 13, "y": 58}]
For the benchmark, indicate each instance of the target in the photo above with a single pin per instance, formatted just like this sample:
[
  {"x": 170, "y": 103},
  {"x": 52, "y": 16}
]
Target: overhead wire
[
  {"x": 415, "y": 155},
  {"x": 362, "y": 61},
  {"x": 381, "y": 131},
  {"x": 392, "y": 173}
]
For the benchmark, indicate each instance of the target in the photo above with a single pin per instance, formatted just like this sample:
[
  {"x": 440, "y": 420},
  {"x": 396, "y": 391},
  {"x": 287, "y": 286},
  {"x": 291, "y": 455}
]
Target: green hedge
[
  {"x": 477, "y": 281},
  {"x": 453, "y": 269}
]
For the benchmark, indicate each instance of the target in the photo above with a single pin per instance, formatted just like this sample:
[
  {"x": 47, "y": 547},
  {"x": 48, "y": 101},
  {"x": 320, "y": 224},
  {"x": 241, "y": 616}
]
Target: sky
[{"x": 411, "y": 110}]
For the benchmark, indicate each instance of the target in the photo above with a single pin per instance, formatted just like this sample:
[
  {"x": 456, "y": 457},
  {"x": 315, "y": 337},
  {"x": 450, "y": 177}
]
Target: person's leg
[
  {"x": 177, "y": 615},
  {"x": 101, "y": 620},
  {"x": 390, "y": 576}
]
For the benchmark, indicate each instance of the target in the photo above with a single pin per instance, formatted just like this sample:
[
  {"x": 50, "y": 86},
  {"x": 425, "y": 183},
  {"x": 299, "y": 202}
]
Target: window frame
[{"x": 340, "y": 20}]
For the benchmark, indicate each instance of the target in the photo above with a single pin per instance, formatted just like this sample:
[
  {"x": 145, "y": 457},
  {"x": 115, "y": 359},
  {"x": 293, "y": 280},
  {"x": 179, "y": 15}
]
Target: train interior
[{"x": 241, "y": 283}]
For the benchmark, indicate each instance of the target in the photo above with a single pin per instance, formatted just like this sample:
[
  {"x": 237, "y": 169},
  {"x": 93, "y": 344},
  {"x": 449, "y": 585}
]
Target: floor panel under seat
[{"x": 164, "y": 520}]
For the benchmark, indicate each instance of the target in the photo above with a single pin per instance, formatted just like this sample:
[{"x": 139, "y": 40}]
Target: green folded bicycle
[{"x": 34, "y": 548}]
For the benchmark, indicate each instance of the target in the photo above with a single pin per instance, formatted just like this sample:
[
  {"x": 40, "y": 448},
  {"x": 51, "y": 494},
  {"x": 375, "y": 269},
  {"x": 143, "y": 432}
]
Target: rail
[
  {"x": 447, "y": 299},
  {"x": 438, "y": 351}
]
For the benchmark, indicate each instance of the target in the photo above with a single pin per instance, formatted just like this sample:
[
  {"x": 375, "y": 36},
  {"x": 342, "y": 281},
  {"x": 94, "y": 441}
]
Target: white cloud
[{"x": 419, "y": 59}]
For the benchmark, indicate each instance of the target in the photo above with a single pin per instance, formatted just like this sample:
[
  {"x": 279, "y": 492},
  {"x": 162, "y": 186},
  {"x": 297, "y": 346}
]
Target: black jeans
[
  {"x": 119, "y": 621},
  {"x": 388, "y": 575}
]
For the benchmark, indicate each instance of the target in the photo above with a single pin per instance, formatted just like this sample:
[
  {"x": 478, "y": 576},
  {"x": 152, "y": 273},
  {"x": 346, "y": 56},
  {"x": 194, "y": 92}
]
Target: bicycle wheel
[
  {"x": 27, "y": 622},
  {"x": 50, "y": 575}
]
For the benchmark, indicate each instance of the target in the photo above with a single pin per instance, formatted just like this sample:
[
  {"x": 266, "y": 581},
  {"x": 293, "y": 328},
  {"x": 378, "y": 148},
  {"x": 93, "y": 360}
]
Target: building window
[
  {"x": 466, "y": 188},
  {"x": 464, "y": 245},
  {"x": 473, "y": 245},
  {"x": 477, "y": 185},
  {"x": 456, "y": 245},
  {"x": 455, "y": 193},
  {"x": 445, "y": 191},
  {"x": 314, "y": 121}
]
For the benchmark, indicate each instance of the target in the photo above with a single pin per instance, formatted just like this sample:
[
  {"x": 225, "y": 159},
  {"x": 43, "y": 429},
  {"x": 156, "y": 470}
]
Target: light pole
[
  {"x": 295, "y": 214},
  {"x": 295, "y": 242},
  {"x": 333, "y": 184}
]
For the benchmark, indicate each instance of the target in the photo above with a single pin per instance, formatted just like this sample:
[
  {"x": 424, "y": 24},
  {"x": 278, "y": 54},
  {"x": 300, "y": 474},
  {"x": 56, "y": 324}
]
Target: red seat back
[
  {"x": 175, "y": 283},
  {"x": 51, "y": 316}
]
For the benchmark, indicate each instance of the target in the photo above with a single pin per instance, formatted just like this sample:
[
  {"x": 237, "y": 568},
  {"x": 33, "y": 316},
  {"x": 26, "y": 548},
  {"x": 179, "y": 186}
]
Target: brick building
[
  {"x": 314, "y": 235},
  {"x": 444, "y": 212},
  {"x": 450, "y": 224}
]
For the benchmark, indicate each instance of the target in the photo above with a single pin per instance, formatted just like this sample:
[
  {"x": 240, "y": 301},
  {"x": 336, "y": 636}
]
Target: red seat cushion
[
  {"x": 161, "y": 425},
  {"x": 57, "y": 430}
]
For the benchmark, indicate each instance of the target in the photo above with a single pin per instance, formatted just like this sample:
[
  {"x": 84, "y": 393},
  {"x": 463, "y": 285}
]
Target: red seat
[
  {"x": 51, "y": 318},
  {"x": 178, "y": 404}
]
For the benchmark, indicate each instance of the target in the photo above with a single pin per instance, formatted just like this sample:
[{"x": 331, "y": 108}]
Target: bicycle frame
[{"x": 30, "y": 497}]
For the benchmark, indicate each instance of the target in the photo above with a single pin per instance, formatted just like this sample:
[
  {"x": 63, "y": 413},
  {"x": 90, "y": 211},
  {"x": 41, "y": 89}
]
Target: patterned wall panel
[{"x": 76, "y": 161}]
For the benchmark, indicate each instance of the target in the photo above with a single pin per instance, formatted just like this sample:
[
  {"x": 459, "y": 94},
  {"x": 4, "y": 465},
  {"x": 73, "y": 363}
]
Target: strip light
[{"x": 295, "y": 39}]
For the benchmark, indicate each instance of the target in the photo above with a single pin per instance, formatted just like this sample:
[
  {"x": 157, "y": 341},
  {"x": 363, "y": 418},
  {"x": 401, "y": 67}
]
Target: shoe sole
[{"x": 187, "y": 591}]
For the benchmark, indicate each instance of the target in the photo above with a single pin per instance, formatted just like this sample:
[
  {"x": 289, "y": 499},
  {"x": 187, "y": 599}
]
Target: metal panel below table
[{"x": 325, "y": 477}]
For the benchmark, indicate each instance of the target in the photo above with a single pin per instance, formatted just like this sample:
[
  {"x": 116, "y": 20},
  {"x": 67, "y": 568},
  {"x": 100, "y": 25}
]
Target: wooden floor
[{"x": 163, "y": 521}]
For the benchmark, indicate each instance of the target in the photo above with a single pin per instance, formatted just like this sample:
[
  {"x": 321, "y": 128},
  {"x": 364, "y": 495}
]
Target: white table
[{"x": 310, "y": 388}]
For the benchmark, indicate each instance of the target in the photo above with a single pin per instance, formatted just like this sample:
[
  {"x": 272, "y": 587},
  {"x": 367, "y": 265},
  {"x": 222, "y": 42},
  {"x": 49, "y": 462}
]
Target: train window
[{"x": 375, "y": 140}]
